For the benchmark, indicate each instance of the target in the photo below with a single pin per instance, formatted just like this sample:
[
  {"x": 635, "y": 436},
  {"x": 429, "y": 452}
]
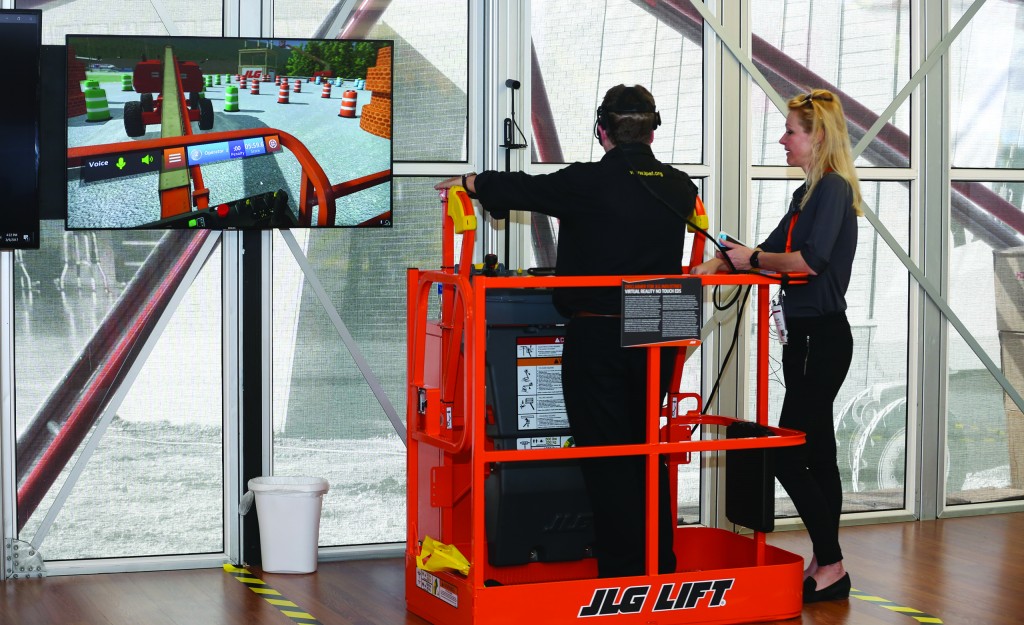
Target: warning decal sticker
[
  {"x": 439, "y": 588},
  {"x": 539, "y": 369}
]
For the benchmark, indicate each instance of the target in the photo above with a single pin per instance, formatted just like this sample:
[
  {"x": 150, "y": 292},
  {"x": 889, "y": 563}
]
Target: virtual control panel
[{"x": 264, "y": 210}]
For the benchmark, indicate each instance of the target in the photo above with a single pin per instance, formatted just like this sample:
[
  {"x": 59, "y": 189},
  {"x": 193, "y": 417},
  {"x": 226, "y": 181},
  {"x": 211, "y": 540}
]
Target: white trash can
[{"x": 288, "y": 509}]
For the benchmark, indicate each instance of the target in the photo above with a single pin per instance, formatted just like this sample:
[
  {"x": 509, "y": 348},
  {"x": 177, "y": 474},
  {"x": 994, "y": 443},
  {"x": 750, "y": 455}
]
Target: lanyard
[{"x": 789, "y": 233}]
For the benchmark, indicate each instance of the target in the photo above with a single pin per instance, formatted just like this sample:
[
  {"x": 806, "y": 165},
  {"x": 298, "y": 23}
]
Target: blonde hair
[{"x": 820, "y": 111}]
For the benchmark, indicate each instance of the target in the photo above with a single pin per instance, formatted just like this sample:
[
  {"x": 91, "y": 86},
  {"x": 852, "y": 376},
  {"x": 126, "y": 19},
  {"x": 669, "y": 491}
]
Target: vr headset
[{"x": 603, "y": 120}]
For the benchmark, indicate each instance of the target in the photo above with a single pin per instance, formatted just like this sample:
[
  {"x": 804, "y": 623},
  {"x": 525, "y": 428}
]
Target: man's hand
[{"x": 466, "y": 181}]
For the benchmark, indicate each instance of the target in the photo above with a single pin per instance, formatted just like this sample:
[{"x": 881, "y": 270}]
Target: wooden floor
[{"x": 958, "y": 571}]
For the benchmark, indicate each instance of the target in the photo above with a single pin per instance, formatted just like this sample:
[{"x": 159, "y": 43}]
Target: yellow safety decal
[
  {"x": 258, "y": 586},
  {"x": 917, "y": 615}
]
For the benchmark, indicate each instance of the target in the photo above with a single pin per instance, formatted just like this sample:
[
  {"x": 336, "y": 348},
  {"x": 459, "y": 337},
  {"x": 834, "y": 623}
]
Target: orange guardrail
[{"x": 723, "y": 577}]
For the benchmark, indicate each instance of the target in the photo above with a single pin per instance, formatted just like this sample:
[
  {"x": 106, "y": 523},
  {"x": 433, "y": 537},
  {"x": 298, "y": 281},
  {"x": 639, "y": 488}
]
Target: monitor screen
[
  {"x": 241, "y": 133},
  {"x": 20, "y": 44}
]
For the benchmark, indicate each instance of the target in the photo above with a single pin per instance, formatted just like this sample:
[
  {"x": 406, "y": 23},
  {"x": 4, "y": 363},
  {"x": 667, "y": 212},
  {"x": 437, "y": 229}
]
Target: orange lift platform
[{"x": 456, "y": 572}]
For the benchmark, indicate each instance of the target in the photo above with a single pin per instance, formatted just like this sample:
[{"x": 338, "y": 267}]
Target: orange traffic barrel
[
  {"x": 282, "y": 94},
  {"x": 348, "y": 104},
  {"x": 241, "y": 82},
  {"x": 255, "y": 89},
  {"x": 325, "y": 92},
  {"x": 298, "y": 85}
]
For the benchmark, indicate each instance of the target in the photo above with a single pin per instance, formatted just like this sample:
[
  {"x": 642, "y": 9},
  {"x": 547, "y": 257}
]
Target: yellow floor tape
[
  {"x": 271, "y": 596},
  {"x": 297, "y": 615},
  {"x": 917, "y": 615}
]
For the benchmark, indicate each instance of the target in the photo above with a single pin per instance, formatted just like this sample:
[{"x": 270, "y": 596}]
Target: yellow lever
[{"x": 460, "y": 209}]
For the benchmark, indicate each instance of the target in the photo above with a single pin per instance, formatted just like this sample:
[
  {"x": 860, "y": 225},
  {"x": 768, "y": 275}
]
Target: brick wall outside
[
  {"x": 76, "y": 74},
  {"x": 375, "y": 116}
]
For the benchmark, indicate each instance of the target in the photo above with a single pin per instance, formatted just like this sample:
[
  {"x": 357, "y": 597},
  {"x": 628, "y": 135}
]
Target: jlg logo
[
  {"x": 633, "y": 598},
  {"x": 603, "y": 602}
]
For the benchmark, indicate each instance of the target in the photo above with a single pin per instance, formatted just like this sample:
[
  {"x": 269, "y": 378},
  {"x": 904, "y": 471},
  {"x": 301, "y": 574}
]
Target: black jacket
[
  {"x": 825, "y": 234},
  {"x": 625, "y": 214}
]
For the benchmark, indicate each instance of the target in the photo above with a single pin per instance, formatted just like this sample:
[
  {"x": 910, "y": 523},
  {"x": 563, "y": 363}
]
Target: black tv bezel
[
  {"x": 33, "y": 205},
  {"x": 383, "y": 220}
]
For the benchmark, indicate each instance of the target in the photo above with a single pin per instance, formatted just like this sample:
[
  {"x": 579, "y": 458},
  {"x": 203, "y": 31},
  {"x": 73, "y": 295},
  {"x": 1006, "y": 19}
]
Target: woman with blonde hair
[{"x": 817, "y": 236}]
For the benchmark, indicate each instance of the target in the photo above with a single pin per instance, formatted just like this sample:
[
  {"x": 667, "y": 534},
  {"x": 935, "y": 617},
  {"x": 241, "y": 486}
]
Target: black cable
[
  {"x": 728, "y": 354},
  {"x": 725, "y": 255},
  {"x": 726, "y": 306},
  {"x": 782, "y": 278},
  {"x": 773, "y": 371},
  {"x": 521, "y": 134},
  {"x": 650, "y": 190},
  {"x": 774, "y": 364}
]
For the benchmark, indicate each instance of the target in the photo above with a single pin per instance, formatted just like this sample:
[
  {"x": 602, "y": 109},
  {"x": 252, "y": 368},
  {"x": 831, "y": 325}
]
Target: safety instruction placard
[
  {"x": 545, "y": 442},
  {"x": 539, "y": 394},
  {"x": 438, "y": 587},
  {"x": 662, "y": 311}
]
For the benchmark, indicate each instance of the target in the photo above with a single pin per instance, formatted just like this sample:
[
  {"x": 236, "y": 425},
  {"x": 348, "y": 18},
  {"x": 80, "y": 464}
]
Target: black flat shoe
[{"x": 840, "y": 589}]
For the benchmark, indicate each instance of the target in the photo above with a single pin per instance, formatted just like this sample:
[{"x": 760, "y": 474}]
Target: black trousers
[
  {"x": 814, "y": 365},
  {"x": 604, "y": 387}
]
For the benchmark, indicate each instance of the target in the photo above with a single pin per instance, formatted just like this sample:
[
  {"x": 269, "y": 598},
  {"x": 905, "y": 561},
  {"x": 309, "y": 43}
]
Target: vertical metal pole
[
  {"x": 932, "y": 227},
  {"x": 8, "y": 486},
  {"x": 253, "y": 444},
  {"x": 233, "y": 485}
]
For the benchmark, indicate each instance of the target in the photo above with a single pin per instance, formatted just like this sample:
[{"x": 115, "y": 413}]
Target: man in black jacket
[{"x": 623, "y": 215}]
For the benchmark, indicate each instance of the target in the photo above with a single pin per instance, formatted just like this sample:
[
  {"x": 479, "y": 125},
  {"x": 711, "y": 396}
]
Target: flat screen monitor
[
  {"x": 20, "y": 44},
  {"x": 228, "y": 133}
]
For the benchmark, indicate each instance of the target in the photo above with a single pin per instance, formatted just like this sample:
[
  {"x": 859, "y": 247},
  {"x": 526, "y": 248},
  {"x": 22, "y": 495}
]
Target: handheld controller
[{"x": 724, "y": 236}]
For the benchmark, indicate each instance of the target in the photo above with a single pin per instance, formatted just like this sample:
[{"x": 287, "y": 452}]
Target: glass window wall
[
  {"x": 87, "y": 308},
  {"x": 119, "y": 420},
  {"x": 985, "y": 427},
  {"x": 580, "y": 50},
  {"x": 106, "y": 17},
  {"x": 859, "y": 50},
  {"x": 327, "y": 421},
  {"x": 431, "y": 76}
]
